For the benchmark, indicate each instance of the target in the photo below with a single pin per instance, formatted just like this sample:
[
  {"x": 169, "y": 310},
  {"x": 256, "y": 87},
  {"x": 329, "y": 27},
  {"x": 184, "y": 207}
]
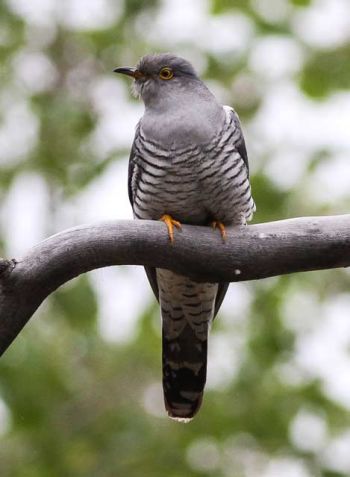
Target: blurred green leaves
[
  {"x": 326, "y": 72},
  {"x": 84, "y": 404},
  {"x": 301, "y": 3}
]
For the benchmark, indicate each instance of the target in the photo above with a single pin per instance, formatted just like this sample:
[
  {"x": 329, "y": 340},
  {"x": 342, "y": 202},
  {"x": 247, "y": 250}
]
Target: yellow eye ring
[{"x": 166, "y": 73}]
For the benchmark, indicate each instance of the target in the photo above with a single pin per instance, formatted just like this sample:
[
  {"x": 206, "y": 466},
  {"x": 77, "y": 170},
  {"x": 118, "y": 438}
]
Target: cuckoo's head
[{"x": 157, "y": 77}]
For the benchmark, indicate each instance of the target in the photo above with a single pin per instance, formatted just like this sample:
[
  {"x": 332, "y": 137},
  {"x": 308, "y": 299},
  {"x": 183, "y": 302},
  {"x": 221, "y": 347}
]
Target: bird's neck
[{"x": 182, "y": 119}]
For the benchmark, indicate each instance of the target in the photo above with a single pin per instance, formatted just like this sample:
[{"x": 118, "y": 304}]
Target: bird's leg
[
  {"x": 216, "y": 224},
  {"x": 170, "y": 223}
]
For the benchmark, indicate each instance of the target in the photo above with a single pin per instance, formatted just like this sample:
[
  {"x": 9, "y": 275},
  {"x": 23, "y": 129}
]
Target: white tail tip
[{"x": 184, "y": 420}]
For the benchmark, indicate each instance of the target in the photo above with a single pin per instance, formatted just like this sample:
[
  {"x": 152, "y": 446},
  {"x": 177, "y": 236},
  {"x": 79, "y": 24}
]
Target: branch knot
[{"x": 6, "y": 266}]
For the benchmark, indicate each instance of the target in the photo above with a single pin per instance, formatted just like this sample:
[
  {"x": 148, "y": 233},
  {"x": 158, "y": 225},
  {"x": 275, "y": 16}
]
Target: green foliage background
[{"x": 74, "y": 402}]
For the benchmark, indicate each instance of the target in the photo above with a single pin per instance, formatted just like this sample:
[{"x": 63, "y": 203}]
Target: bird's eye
[{"x": 166, "y": 73}]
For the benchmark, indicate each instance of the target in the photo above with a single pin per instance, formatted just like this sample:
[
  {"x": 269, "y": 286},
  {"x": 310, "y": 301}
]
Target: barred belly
[
  {"x": 193, "y": 184},
  {"x": 165, "y": 182}
]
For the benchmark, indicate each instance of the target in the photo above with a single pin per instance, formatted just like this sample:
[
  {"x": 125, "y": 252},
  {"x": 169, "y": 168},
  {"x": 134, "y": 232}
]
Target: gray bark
[{"x": 249, "y": 253}]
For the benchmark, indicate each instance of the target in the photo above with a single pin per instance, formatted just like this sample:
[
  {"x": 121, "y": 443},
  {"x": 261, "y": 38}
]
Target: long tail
[
  {"x": 184, "y": 374},
  {"x": 187, "y": 311}
]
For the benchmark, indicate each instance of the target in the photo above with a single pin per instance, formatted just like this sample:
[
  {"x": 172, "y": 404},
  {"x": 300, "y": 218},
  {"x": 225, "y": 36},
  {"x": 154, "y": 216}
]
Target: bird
[{"x": 188, "y": 165}]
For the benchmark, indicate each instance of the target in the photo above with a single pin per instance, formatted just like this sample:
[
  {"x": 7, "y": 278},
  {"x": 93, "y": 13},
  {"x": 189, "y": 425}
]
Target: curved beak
[{"x": 129, "y": 71}]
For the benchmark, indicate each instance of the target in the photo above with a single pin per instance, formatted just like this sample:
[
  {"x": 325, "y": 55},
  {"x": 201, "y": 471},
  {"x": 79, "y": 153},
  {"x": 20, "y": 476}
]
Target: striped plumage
[
  {"x": 189, "y": 161},
  {"x": 194, "y": 184}
]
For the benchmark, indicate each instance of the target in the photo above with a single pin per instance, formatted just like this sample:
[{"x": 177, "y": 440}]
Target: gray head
[
  {"x": 159, "y": 76},
  {"x": 179, "y": 107}
]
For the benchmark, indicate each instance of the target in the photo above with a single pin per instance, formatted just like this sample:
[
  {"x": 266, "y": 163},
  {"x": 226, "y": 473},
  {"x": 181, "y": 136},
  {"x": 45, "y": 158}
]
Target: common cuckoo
[{"x": 188, "y": 165}]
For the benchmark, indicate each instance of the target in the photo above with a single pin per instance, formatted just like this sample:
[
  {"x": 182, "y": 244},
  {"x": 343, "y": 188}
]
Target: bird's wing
[
  {"x": 239, "y": 139},
  {"x": 132, "y": 171},
  {"x": 132, "y": 168},
  {"x": 241, "y": 148},
  {"x": 152, "y": 278},
  {"x": 222, "y": 289}
]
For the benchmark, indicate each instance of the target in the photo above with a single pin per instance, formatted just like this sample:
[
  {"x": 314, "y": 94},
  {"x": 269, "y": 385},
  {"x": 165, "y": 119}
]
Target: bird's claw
[
  {"x": 170, "y": 223},
  {"x": 216, "y": 224}
]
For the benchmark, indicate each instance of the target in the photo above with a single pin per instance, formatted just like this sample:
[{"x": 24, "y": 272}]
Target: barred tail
[
  {"x": 184, "y": 374},
  {"x": 187, "y": 312}
]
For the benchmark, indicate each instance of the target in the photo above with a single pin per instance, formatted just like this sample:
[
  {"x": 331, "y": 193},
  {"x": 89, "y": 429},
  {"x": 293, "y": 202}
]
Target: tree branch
[{"x": 249, "y": 253}]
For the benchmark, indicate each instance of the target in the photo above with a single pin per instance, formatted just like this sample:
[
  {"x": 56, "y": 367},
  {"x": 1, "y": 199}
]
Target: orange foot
[
  {"x": 170, "y": 222},
  {"x": 216, "y": 224}
]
